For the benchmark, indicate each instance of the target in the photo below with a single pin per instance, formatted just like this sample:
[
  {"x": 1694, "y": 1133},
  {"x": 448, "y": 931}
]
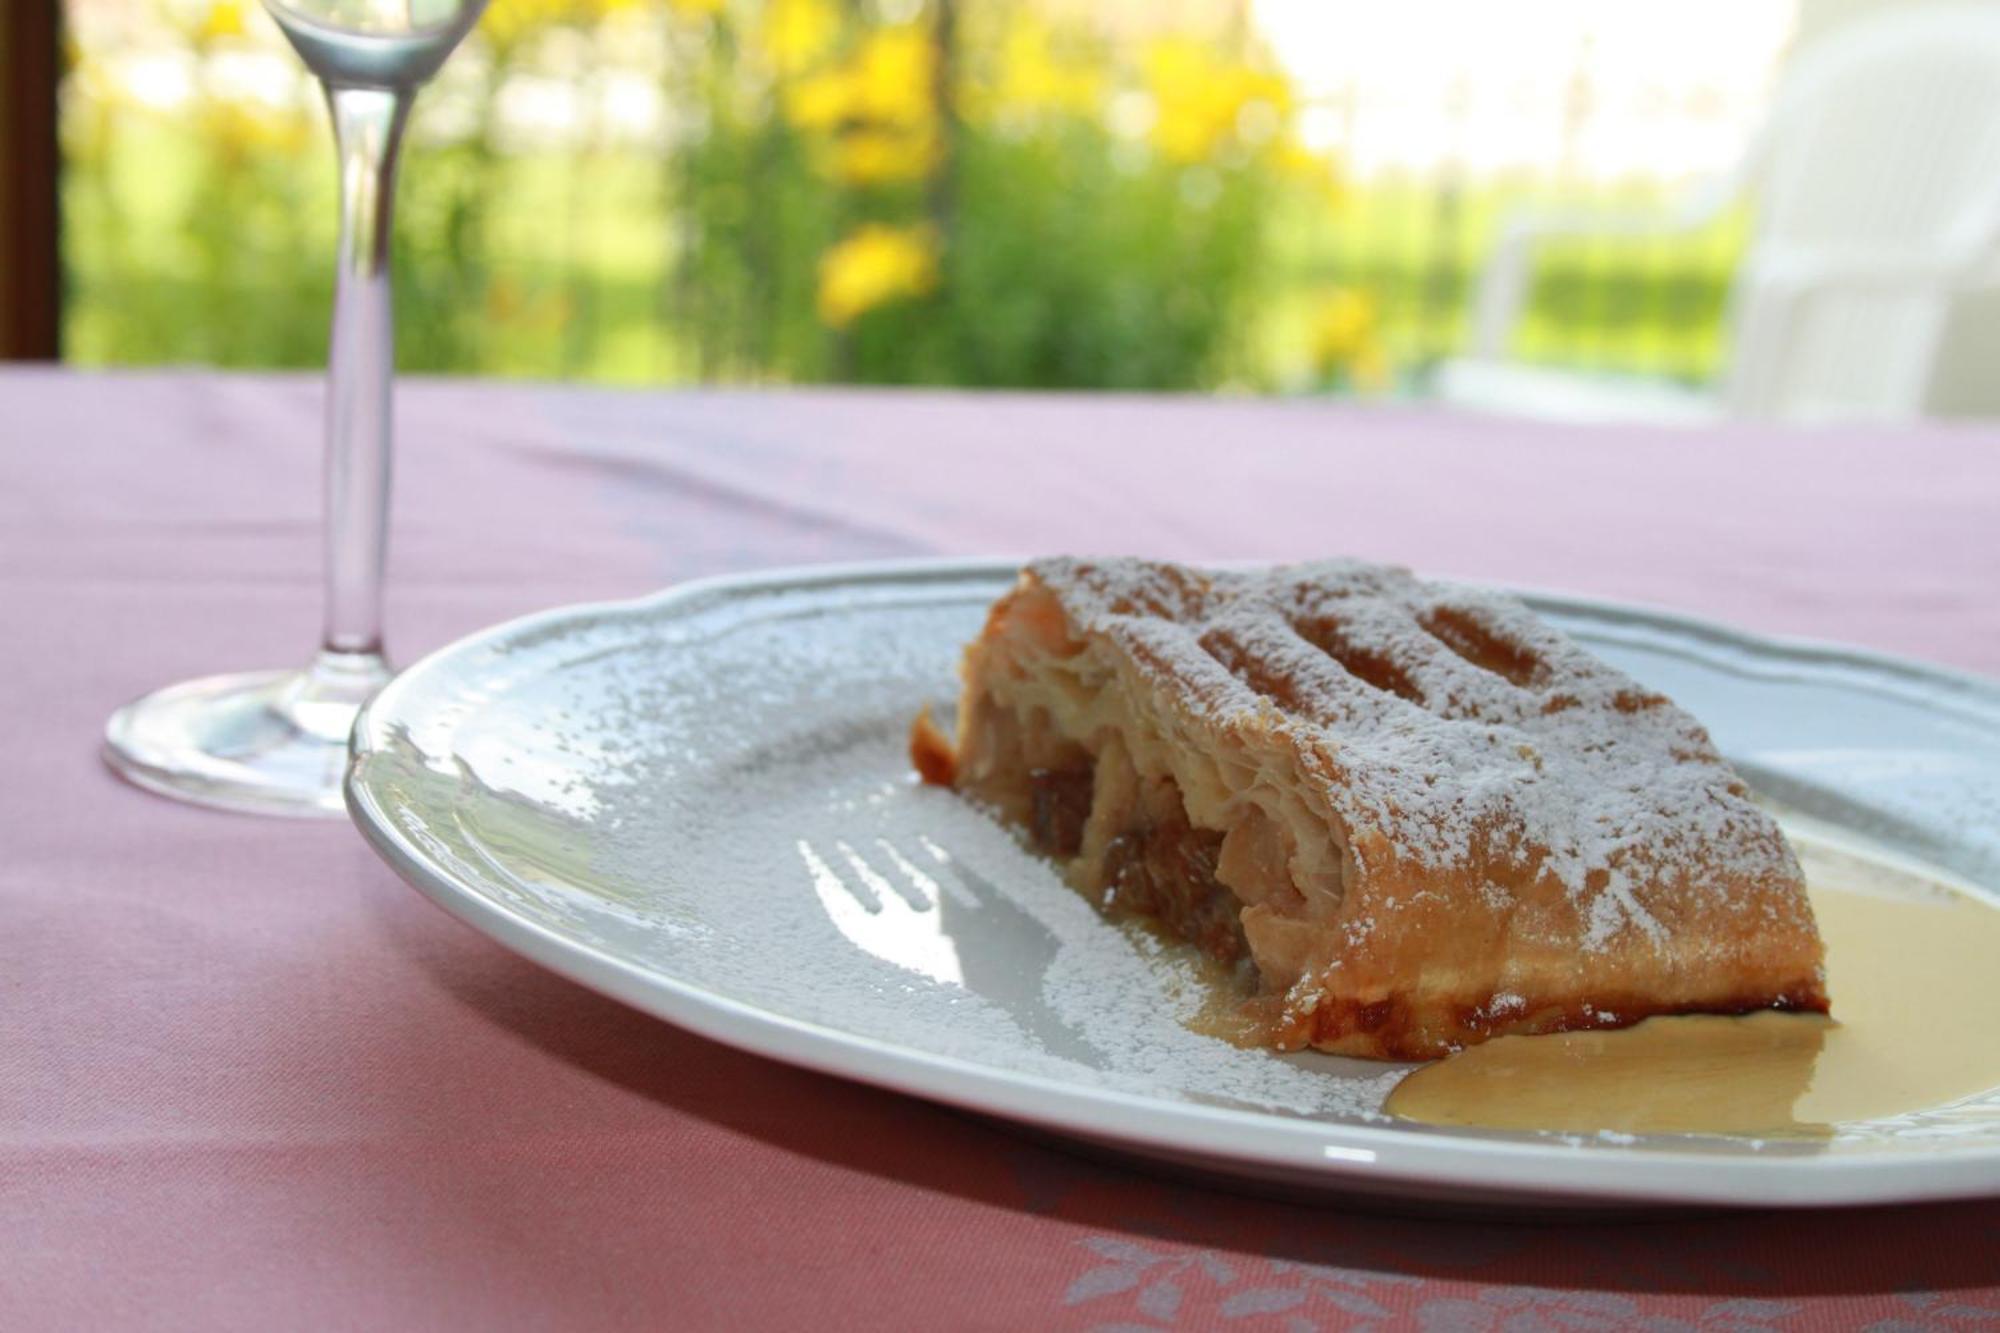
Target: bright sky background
[
  {"x": 1567, "y": 91},
  {"x": 1597, "y": 89}
]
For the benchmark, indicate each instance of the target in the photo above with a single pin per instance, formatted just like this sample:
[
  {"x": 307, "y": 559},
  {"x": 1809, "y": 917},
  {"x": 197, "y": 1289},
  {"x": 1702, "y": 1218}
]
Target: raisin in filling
[
  {"x": 1160, "y": 867},
  {"x": 1166, "y": 870},
  {"x": 1059, "y": 806}
]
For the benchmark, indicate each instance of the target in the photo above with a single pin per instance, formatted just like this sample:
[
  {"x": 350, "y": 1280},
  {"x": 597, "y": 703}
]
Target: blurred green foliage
[{"x": 962, "y": 192}]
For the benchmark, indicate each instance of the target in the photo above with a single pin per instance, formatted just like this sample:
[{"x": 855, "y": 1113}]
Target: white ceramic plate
[{"x": 699, "y": 803}]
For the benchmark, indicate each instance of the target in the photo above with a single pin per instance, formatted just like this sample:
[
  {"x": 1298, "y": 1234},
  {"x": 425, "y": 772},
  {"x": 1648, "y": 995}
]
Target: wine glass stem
[{"x": 368, "y": 130}]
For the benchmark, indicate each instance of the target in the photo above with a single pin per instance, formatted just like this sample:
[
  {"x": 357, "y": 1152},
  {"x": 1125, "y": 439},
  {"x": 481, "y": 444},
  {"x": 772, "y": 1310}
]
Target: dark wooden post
[{"x": 30, "y": 174}]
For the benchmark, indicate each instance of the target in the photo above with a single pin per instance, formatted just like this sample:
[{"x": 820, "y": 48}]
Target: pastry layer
[{"x": 1424, "y": 815}]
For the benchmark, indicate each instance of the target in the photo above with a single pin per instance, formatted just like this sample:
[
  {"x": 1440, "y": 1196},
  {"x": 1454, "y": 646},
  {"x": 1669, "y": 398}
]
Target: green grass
[
  {"x": 1646, "y": 306},
  {"x": 563, "y": 266}
]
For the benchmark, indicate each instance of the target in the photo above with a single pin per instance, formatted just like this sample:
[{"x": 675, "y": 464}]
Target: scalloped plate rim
[{"x": 1335, "y": 1156}]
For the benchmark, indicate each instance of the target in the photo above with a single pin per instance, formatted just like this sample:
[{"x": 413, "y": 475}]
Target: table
[{"x": 248, "y": 1079}]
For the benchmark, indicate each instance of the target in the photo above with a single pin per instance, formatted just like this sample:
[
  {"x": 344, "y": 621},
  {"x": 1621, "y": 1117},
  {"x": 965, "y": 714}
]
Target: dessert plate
[{"x": 700, "y": 804}]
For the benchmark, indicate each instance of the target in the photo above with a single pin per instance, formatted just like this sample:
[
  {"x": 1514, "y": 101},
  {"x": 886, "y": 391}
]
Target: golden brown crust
[
  {"x": 931, "y": 752},
  {"x": 1395, "y": 1029},
  {"x": 1432, "y": 818}
]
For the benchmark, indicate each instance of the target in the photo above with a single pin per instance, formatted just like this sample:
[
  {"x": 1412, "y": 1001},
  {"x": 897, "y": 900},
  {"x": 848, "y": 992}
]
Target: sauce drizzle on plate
[{"x": 1911, "y": 966}]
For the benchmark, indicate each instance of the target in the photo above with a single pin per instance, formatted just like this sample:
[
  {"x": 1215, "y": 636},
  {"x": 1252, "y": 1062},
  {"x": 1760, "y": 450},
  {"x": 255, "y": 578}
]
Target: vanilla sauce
[{"x": 1911, "y": 966}]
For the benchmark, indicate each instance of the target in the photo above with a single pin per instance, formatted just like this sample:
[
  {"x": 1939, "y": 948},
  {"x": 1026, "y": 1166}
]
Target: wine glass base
[{"x": 261, "y": 742}]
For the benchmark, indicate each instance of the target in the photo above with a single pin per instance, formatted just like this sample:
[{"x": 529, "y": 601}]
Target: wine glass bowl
[
  {"x": 276, "y": 742},
  {"x": 375, "y": 43}
]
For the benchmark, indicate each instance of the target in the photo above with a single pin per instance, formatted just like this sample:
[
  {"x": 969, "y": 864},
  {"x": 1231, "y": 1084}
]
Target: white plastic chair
[{"x": 1876, "y": 191}]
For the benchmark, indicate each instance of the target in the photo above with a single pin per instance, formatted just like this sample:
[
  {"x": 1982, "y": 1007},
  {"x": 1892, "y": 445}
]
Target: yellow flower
[
  {"x": 894, "y": 72},
  {"x": 875, "y": 265},
  {"x": 224, "y": 19},
  {"x": 877, "y": 157},
  {"x": 1344, "y": 337},
  {"x": 1200, "y": 103},
  {"x": 1032, "y": 80},
  {"x": 795, "y": 33},
  {"x": 888, "y": 82},
  {"x": 876, "y": 111},
  {"x": 823, "y": 101},
  {"x": 508, "y": 23}
]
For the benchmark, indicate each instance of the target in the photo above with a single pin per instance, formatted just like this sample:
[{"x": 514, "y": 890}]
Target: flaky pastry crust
[{"x": 1425, "y": 816}]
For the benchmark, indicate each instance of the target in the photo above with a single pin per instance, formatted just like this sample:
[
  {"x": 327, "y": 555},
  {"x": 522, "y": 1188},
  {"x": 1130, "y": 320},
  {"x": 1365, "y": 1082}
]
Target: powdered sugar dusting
[
  {"x": 1448, "y": 722},
  {"x": 641, "y": 782},
  {"x": 900, "y": 912}
]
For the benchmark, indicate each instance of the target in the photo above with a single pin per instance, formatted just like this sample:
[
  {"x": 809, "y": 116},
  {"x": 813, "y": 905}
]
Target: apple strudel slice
[{"x": 1425, "y": 816}]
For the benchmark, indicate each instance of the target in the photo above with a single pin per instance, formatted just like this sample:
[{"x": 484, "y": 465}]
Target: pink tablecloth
[{"x": 250, "y": 1080}]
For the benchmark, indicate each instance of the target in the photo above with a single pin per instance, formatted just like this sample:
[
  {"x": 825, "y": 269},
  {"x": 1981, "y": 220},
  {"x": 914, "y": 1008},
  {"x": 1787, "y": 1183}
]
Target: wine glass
[{"x": 275, "y": 742}]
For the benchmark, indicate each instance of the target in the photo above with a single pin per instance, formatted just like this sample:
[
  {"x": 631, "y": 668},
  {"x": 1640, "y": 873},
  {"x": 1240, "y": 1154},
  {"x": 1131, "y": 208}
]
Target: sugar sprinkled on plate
[{"x": 724, "y": 785}]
